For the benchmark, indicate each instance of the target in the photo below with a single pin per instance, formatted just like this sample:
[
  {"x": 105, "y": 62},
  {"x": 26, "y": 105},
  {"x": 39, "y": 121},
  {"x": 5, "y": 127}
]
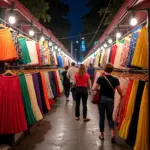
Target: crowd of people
[{"x": 79, "y": 81}]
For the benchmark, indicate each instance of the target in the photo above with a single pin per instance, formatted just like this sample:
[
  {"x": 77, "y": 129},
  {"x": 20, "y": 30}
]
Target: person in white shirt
[{"x": 71, "y": 76}]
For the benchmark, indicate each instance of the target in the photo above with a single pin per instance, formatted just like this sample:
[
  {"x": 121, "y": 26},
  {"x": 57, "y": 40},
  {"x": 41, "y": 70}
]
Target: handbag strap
[{"x": 109, "y": 83}]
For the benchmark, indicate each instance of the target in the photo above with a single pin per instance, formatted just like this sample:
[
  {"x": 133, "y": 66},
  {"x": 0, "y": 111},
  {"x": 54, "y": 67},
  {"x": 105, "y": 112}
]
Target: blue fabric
[
  {"x": 52, "y": 83},
  {"x": 91, "y": 71},
  {"x": 132, "y": 47},
  {"x": 106, "y": 105},
  {"x": 60, "y": 61}
]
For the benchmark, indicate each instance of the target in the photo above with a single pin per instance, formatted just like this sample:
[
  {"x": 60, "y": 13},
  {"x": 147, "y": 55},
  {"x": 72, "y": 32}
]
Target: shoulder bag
[{"x": 96, "y": 96}]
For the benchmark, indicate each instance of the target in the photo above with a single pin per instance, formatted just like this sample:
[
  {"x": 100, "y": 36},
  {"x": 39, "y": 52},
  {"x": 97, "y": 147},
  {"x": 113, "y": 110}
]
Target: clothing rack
[{"x": 134, "y": 71}]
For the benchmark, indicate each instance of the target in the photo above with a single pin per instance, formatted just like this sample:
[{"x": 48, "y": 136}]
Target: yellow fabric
[
  {"x": 142, "y": 138},
  {"x": 96, "y": 60},
  {"x": 59, "y": 82},
  {"x": 123, "y": 132},
  {"x": 32, "y": 94},
  {"x": 102, "y": 56},
  {"x": 140, "y": 57}
]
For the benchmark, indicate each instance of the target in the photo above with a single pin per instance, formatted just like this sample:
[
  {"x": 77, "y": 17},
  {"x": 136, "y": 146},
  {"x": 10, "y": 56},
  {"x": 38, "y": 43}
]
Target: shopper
[
  {"x": 91, "y": 72},
  {"x": 66, "y": 83},
  {"x": 107, "y": 84},
  {"x": 82, "y": 82},
  {"x": 71, "y": 74}
]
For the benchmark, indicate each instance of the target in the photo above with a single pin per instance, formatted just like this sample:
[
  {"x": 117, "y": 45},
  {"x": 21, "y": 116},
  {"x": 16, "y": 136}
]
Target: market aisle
[{"x": 60, "y": 131}]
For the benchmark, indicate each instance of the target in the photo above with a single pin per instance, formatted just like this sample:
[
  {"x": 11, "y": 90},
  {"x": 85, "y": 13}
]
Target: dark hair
[
  {"x": 82, "y": 70},
  {"x": 67, "y": 67},
  {"x": 91, "y": 64},
  {"x": 73, "y": 64},
  {"x": 109, "y": 68}
]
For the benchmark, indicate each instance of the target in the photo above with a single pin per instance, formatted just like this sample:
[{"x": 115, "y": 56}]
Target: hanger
[
  {"x": 8, "y": 72},
  {"x": 3, "y": 26}
]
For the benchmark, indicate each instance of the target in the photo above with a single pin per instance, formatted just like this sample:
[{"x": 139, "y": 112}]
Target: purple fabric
[{"x": 37, "y": 91}]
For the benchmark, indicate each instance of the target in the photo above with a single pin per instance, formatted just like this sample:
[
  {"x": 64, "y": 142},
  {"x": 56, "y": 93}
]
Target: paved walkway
[{"x": 60, "y": 131}]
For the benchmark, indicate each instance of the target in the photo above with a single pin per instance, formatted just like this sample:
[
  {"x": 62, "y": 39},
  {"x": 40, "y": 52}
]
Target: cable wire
[{"x": 100, "y": 24}]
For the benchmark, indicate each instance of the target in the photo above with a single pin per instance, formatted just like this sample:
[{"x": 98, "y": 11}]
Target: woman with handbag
[
  {"x": 107, "y": 84},
  {"x": 82, "y": 82}
]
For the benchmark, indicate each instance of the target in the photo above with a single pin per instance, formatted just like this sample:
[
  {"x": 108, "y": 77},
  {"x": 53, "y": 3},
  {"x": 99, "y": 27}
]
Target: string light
[
  {"x": 118, "y": 35},
  {"x": 59, "y": 49},
  {"x": 42, "y": 38},
  {"x": 50, "y": 44},
  {"x": 31, "y": 33},
  {"x": 12, "y": 20},
  {"x": 133, "y": 21},
  {"x": 56, "y": 47},
  {"x": 105, "y": 45},
  {"x": 110, "y": 41},
  {"x": 102, "y": 47}
]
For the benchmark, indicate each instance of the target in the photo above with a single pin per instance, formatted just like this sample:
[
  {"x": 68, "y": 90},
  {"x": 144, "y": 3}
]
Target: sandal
[
  {"x": 86, "y": 120},
  {"x": 113, "y": 141},
  {"x": 101, "y": 137},
  {"x": 77, "y": 118}
]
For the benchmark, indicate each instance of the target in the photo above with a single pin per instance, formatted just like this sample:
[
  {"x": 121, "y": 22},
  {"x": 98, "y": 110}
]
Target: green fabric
[
  {"x": 26, "y": 100},
  {"x": 25, "y": 53}
]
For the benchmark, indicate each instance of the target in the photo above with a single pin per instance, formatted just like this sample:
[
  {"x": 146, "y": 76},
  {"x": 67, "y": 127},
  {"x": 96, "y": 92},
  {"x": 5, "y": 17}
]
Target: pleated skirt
[
  {"x": 33, "y": 98},
  {"x": 12, "y": 114},
  {"x": 26, "y": 100}
]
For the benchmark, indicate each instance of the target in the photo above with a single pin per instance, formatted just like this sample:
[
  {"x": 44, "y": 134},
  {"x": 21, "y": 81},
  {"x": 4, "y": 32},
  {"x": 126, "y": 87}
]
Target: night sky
[{"x": 77, "y": 10}]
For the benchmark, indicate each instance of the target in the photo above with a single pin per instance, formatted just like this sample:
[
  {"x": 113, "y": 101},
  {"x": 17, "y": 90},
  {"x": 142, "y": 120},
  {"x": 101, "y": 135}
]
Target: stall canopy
[
  {"x": 24, "y": 18},
  {"x": 122, "y": 19}
]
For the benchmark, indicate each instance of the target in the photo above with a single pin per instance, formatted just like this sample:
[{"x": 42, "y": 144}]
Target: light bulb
[
  {"x": 105, "y": 45},
  {"x": 102, "y": 47},
  {"x": 12, "y": 19},
  {"x": 59, "y": 49},
  {"x": 31, "y": 33},
  {"x": 56, "y": 47},
  {"x": 98, "y": 49},
  {"x": 110, "y": 41},
  {"x": 50, "y": 44},
  {"x": 118, "y": 35},
  {"x": 42, "y": 38},
  {"x": 133, "y": 21}
]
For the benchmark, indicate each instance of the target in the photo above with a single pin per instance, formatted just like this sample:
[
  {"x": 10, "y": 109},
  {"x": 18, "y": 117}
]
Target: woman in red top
[{"x": 82, "y": 82}]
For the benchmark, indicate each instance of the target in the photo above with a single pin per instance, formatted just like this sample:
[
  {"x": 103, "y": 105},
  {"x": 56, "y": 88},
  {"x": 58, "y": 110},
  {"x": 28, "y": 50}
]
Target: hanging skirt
[
  {"x": 37, "y": 90},
  {"x": 50, "y": 93},
  {"x": 7, "y": 47},
  {"x": 12, "y": 114},
  {"x": 45, "y": 90},
  {"x": 142, "y": 137},
  {"x": 34, "y": 103},
  {"x": 126, "y": 122},
  {"x": 26, "y": 100},
  {"x": 52, "y": 82},
  {"x": 45, "y": 110}
]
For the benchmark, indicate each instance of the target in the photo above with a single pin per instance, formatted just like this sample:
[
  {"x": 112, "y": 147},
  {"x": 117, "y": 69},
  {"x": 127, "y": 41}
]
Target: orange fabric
[
  {"x": 45, "y": 91},
  {"x": 7, "y": 47}
]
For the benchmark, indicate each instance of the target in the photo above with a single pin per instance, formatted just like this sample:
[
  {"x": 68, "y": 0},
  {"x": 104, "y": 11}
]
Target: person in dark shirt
[
  {"x": 66, "y": 83},
  {"x": 91, "y": 72},
  {"x": 107, "y": 84}
]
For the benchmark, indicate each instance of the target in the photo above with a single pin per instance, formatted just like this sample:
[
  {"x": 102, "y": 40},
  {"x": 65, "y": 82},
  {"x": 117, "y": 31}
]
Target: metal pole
[{"x": 149, "y": 64}]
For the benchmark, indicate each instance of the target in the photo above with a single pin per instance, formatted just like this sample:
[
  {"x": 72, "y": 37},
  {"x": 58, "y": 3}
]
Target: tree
[
  {"x": 111, "y": 11},
  {"x": 93, "y": 18},
  {"x": 38, "y": 8}
]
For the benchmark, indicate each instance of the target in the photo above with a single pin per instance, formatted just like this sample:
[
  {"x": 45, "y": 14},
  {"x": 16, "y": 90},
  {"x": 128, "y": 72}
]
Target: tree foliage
[
  {"x": 113, "y": 9},
  {"x": 38, "y": 8}
]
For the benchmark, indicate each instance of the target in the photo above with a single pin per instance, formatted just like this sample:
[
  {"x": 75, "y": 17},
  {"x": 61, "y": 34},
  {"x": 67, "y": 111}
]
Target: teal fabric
[{"x": 25, "y": 53}]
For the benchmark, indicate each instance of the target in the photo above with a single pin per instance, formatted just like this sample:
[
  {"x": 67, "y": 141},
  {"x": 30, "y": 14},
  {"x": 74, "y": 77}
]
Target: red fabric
[
  {"x": 126, "y": 102},
  {"x": 45, "y": 91},
  {"x": 38, "y": 53},
  {"x": 57, "y": 84},
  {"x": 82, "y": 80},
  {"x": 113, "y": 54},
  {"x": 12, "y": 114}
]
